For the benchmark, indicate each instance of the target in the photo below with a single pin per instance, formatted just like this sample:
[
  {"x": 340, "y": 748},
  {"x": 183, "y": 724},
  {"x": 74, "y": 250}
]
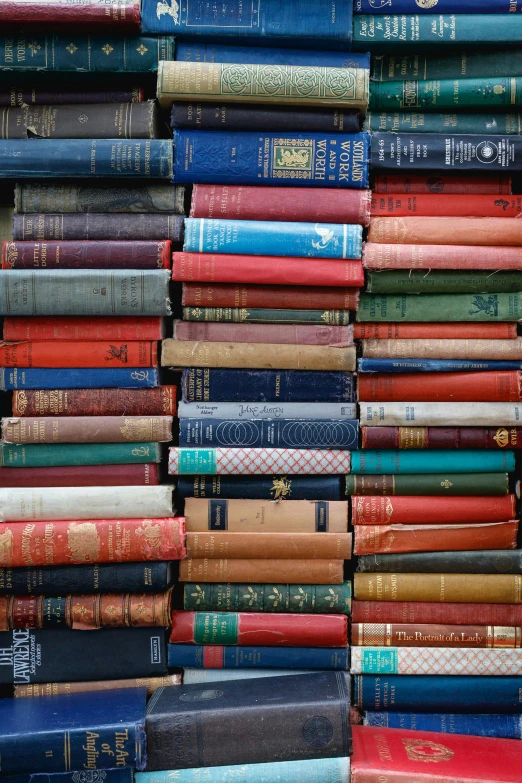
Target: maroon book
[
  {"x": 86, "y": 255},
  {"x": 81, "y": 476}
]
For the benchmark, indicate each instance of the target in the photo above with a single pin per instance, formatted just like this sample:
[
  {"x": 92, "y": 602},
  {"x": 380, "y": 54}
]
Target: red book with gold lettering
[
  {"x": 424, "y": 510},
  {"x": 159, "y": 401},
  {"x": 300, "y": 297},
  {"x": 110, "y": 353},
  {"x": 71, "y": 328},
  {"x": 500, "y": 386},
  {"x": 436, "y": 204},
  {"x": 441, "y": 437}
]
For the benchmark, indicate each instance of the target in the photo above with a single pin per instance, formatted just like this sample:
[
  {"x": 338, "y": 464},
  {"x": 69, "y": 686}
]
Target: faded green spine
[
  {"x": 55, "y": 454},
  {"x": 440, "y": 94},
  {"x": 296, "y": 599},
  {"x": 431, "y": 484},
  {"x": 439, "y": 307},
  {"x": 419, "y": 281},
  {"x": 458, "y": 65},
  {"x": 509, "y": 124},
  {"x": 259, "y": 315}
]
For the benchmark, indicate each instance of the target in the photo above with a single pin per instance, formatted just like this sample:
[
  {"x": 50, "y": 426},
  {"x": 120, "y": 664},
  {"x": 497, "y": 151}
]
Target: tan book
[
  {"x": 269, "y": 546},
  {"x": 87, "y": 429},
  {"x": 57, "y": 688},
  {"x": 319, "y": 572},
  {"x": 440, "y": 588}
]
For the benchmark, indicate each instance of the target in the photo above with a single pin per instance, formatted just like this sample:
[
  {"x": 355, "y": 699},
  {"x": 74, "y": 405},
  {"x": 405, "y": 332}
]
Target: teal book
[
  {"x": 369, "y": 461},
  {"x": 446, "y": 64},
  {"x": 334, "y": 770},
  {"x": 428, "y": 308},
  {"x": 46, "y": 455},
  {"x": 444, "y": 94},
  {"x": 508, "y": 124}
]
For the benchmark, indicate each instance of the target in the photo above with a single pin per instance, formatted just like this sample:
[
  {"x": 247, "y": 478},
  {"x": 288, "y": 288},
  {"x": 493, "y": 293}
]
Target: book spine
[
  {"x": 321, "y": 572},
  {"x": 284, "y": 771},
  {"x": 87, "y": 429},
  {"x": 434, "y": 365},
  {"x": 507, "y": 726},
  {"x": 20, "y": 94},
  {"x": 57, "y": 198},
  {"x": 445, "y": 230},
  {"x": 60, "y": 12},
  {"x": 442, "y": 182},
  {"x": 441, "y": 437},
  {"x": 259, "y": 487},
  {"x": 431, "y": 307},
  {"x": 425, "y": 256},
  {"x": 208, "y": 51},
  {"x": 430, "y": 635},
  {"x": 69, "y": 354},
  {"x": 283, "y": 546},
  {"x": 302, "y": 599},
  {"x": 106, "y": 121},
  {"x": 87, "y": 292},
  {"x": 81, "y": 476},
  {"x": 93, "y": 226},
  {"x": 160, "y": 401},
  {"x": 85, "y": 329},
  {"x": 433, "y": 612},
  {"x": 434, "y": 538},
  {"x": 417, "y": 122},
  {"x": 495, "y": 562},
  {"x": 444, "y": 7},
  {"x": 86, "y": 158},
  {"x": 218, "y": 385},
  {"x": 472, "y": 588},
  {"x": 281, "y": 410},
  {"x": 102, "y": 541},
  {"x": 383, "y": 510},
  {"x": 448, "y": 65},
  {"x": 434, "y": 331},
  {"x": 113, "y": 775},
  {"x": 414, "y": 461},
  {"x": 435, "y": 205},
  {"x": 328, "y": 240},
  {"x": 213, "y": 160},
  {"x": 494, "y": 414},
  {"x": 189, "y": 353},
  {"x": 214, "y": 268},
  {"x": 58, "y": 688},
  {"x": 257, "y": 461},
  {"x": 277, "y": 433},
  {"x": 86, "y": 255},
  {"x": 443, "y": 29},
  {"x": 267, "y": 316},
  {"x": 137, "y": 54},
  {"x": 78, "y": 378},
  {"x": 41, "y": 455},
  {"x": 438, "y": 282},
  {"x": 424, "y": 660},
  {"x": 447, "y": 387},
  {"x": 241, "y": 657},
  {"x": 444, "y": 94},
  {"x": 302, "y": 297},
  {"x": 449, "y": 484}
]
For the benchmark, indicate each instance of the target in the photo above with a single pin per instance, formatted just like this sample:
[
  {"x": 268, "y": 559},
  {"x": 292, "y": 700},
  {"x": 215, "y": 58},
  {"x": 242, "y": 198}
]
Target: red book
[
  {"x": 405, "y": 756},
  {"x": 428, "y": 612},
  {"x": 412, "y": 256},
  {"x": 86, "y": 255},
  {"x": 93, "y": 541},
  {"x": 437, "y": 204},
  {"x": 81, "y": 476},
  {"x": 445, "y": 231},
  {"x": 79, "y": 354},
  {"x": 394, "y": 331},
  {"x": 447, "y": 182},
  {"x": 237, "y": 202},
  {"x": 223, "y": 268},
  {"x": 57, "y": 12},
  {"x": 273, "y": 296},
  {"x": 441, "y": 437},
  {"x": 424, "y": 510},
  {"x": 259, "y": 628},
  {"x": 282, "y": 334},
  {"x": 500, "y": 386},
  {"x": 159, "y": 401},
  {"x": 69, "y": 328}
]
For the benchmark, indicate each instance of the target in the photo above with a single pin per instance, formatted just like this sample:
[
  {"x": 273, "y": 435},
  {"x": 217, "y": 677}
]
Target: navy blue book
[
  {"x": 84, "y": 731},
  {"x": 196, "y": 656},
  {"x": 276, "y": 433},
  {"x": 115, "y": 775},
  {"x": 443, "y": 7},
  {"x": 216, "y": 385},
  {"x": 208, "y": 52},
  {"x": 260, "y": 488},
  {"x": 507, "y": 726},
  {"x": 248, "y": 158},
  {"x": 104, "y": 378},
  {"x": 433, "y": 365},
  {"x": 323, "y": 24}
]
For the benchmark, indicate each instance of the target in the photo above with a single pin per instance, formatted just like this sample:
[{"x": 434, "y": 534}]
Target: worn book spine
[
  {"x": 214, "y": 268},
  {"x": 429, "y": 414},
  {"x": 223, "y": 544},
  {"x": 42, "y": 455},
  {"x": 160, "y": 401},
  {"x": 189, "y": 353},
  {"x": 252, "y": 597},
  {"x": 41, "y": 354},
  {"x": 237, "y": 658},
  {"x": 280, "y": 410},
  {"x": 434, "y": 205},
  {"x": 443, "y": 30},
  {"x": 447, "y": 65},
  {"x": 434, "y": 365},
  {"x": 460, "y": 613},
  {"x": 20, "y": 93},
  {"x": 428, "y": 256},
  {"x": 321, "y": 572},
  {"x": 259, "y": 487},
  {"x": 445, "y": 6},
  {"x": 86, "y": 255},
  {"x": 311, "y": 159},
  {"x": 274, "y": 333},
  {"x": 278, "y": 296},
  {"x": 217, "y": 385},
  {"x": 470, "y": 231},
  {"x": 284, "y": 771},
  {"x": 442, "y": 182},
  {"x": 441, "y": 437},
  {"x": 254, "y": 628},
  {"x": 57, "y": 688},
  {"x": 122, "y": 13},
  {"x": 471, "y": 588},
  {"x": 86, "y": 612},
  {"x": 81, "y": 476},
  {"x": 86, "y": 329},
  {"x": 94, "y": 226},
  {"x": 266, "y": 316},
  {"x": 58, "y": 198},
  {"x": 118, "y": 377},
  {"x": 437, "y": 307},
  {"x": 446, "y": 387},
  {"x": 451, "y": 484},
  {"x": 431, "y": 635},
  {"x": 415, "y": 281},
  {"x": 438, "y": 331},
  {"x": 415, "y": 461},
  {"x": 440, "y": 661},
  {"x": 383, "y": 510},
  {"x": 494, "y": 562},
  {"x": 506, "y": 726},
  {"x": 248, "y": 516},
  {"x": 207, "y": 51},
  {"x": 87, "y": 429},
  {"x": 265, "y": 433},
  {"x": 429, "y": 122},
  {"x": 437, "y": 94}
]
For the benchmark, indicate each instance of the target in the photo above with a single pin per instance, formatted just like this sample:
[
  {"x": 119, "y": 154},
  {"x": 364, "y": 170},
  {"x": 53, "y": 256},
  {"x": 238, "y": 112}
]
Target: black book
[{"x": 501, "y": 561}]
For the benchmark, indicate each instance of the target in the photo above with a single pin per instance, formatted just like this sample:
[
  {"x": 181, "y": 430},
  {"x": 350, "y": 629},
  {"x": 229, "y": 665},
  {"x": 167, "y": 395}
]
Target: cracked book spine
[{"x": 434, "y": 538}]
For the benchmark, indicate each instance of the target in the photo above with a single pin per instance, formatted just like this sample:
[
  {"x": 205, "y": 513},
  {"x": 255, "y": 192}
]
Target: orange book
[{"x": 445, "y": 231}]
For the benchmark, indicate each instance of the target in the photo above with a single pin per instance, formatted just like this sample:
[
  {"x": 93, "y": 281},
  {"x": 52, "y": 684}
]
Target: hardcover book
[
  {"x": 442, "y": 181},
  {"x": 50, "y": 353},
  {"x": 260, "y": 488},
  {"x": 56, "y": 197},
  {"x": 471, "y": 588},
  {"x": 506, "y": 726},
  {"x": 431, "y": 510},
  {"x": 442, "y": 437},
  {"x": 259, "y": 461},
  {"x": 439, "y": 414},
  {"x": 87, "y": 429},
  {"x": 431, "y": 635},
  {"x": 265, "y": 316},
  {"x": 434, "y": 365},
  {"x": 414, "y": 484},
  {"x": 438, "y": 661},
  {"x": 494, "y": 562},
  {"x": 444, "y": 30},
  {"x": 445, "y": 256},
  {"x": 298, "y": 599},
  {"x": 71, "y": 328},
  {"x": 445, "y": 204},
  {"x": 95, "y": 226},
  {"x": 277, "y": 433},
  {"x": 440, "y": 94},
  {"x": 284, "y": 771},
  {"x": 438, "y": 282},
  {"x": 210, "y": 52},
  {"x": 263, "y": 410},
  {"x": 82, "y": 476},
  {"x": 434, "y": 612},
  {"x": 417, "y": 122},
  {"x": 448, "y": 387},
  {"x": 86, "y": 255},
  {"x": 121, "y": 13},
  {"x": 435, "y": 538},
  {"x": 78, "y": 378},
  {"x": 446, "y": 64},
  {"x": 38, "y": 455},
  {"x": 281, "y": 546},
  {"x": 236, "y": 658},
  {"x": 159, "y": 402},
  {"x": 321, "y": 572},
  {"x": 434, "y": 230},
  {"x": 57, "y": 688},
  {"x": 436, "y": 307},
  {"x": 413, "y": 461}
]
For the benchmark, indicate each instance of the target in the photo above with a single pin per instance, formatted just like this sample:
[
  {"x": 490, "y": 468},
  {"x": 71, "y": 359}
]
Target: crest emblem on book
[
  {"x": 487, "y": 152},
  {"x": 89, "y": 776},
  {"x": 83, "y": 542},
  {"x": 325, "y": 236},
  {"x": 488, "y": 306},
  {"x": 292, "y": 158},
  {"x": 281, "y": 487},
  {"x": 426, "y": 3},
  {"x": 120, "y": 354},
  {"x": 424, "y": 750},
  {"x": 501, "y": 437},
  {"x": 169, "y": 8}
]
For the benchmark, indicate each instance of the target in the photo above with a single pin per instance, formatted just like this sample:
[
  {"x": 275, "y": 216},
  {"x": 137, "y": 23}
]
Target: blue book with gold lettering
[
  {"x": 207, "y": 52},
  {"x": 86, "y": 731},
  {"x": 507, "y": 726},
  {"x": 276, "y": 433},
  {"x": 82, "y": 378},
  {"x": 434, "y": 365},
  {"x": 260, "y": 488}
]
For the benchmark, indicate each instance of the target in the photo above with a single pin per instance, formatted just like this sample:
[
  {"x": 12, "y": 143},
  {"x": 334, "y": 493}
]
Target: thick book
[
  {"x": 431, "y": 256},
  {"x": 438, "y": 282},
  {"x": 439, "y": 307},
  {"x": 368, "y": 510},
  {"x": 450, "y": 484},
  {"x": 382, "y": 331},
  {"x": 429, "y": 122},
  {"x": 267, "y": 733},
  {"x": 321, "y": 572},
  {"x": 63, "y": 654},
  {"x": 263, "y": 410},
  {"x": 249, "y": 516},
  {"x": 41, "y": 455},
  {"x": 494, "y": 562},
  {"x": 37, "y": 543},
  {"x": 57, "y": 688},
  {"x": 51, "y": 354},
  {"x": 257, "y": 628},
  {"x": 222, "y": 385},
  {"x": 87, "y": 429},
  {"x": 159, "y": 402},
  {"x": 435, "y": 538},
  {"x": 82, "y": 476},
  {"x": 446, "y": 64},
  {"x": 247, "y": 158},
  {"x": 439, "y": 414},
  {"x": 448, "y": 387},
  {"x": 121, "y": 13},
  {"x": 434, "y": 230},
  {"x": 442, "y": 181},
  {"x": 79, "y": 378},
  {"x": 22, "y": 92},
  {"x": 506, "y": 726},
  {"x": 46, "y": 158},
  {"x": 209, "y": 51},
  {"x": 288, "y": 204},
  {"x": 435, "y": 366},
  {"x": 280, "y": 546},
  {"x": 442, "y": 588},
  {"x": 308, "y": 771},
  {"x": 261, "y": 461},
  {"x": 427, "y": 348},
  {"x": 416, "y": 461},
  {"x": 263, "y": 316},
  {"x": 256, "y": 237},
  {"x": 258, "y": 487},
  {"x": 439, "y": 661},
  {"x": 391, "y": 204},
  {"x": 265, "y": 433},
  {"x": 91, "y": 731},
  {"x": 58, "y": 197},
  {"x": 281, "y": 598},
  {"x": 86, "y": 255},
  {"x": 431, "y": 635},
  {"x": 427, "y": 94},
  {"x": 95, "y": 226},
  {"x": 444, "y": 7},
  {"x": 72, "y": 328},
  {"x": 442, "y": 437},
  {"x": 435, "y": 612}
]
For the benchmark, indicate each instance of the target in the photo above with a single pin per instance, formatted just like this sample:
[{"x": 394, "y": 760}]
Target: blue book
[
  {"x": 270, "y": 238},
  {"x": 442, "y": 7},
  {"x": 193, "y": 655},
  {"x": 335, "y": 770},
  {"x": 325, "y": 24},
  {"x": 110, "y": 378},
  {"x": 433, "y": 365},
  {"x": 50, "y": 158},
  {"x": 75, "y": 731},
  {"x": 207, "y": 52},
  {"x": 261, "y": 487},
  {"x": 438, "y": 693},
  {"x": 115, "y": 775},
  {"x": 417, "y": 461},
  {"x": 506, "y": 726},
  {"x": 275, "y": 433},
  {"x": 246, "y": 158}
]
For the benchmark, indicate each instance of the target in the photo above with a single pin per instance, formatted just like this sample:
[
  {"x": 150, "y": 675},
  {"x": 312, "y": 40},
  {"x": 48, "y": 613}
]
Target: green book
[
  {"x": 428, "y": 308},
  {"x": 428, "y": 484},
  {"x": 435, "y": 94},
  {"x": 421, "y": 281},
  {"x": 509, "y": 124},
  {"x": 260, "y": 315},
  {"x": 296, "y": 599},
  {"x": 56, "y": 454},
  {"x": 452, "y": 65}
]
